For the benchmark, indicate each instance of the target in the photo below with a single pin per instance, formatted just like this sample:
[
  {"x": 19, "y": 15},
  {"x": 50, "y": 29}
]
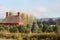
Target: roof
[{"x": 12, "y": 19}]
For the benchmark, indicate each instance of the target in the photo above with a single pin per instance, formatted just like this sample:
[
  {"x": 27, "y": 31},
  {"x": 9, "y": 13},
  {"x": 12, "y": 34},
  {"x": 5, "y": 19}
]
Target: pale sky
[{"x": 38, "y": 8}]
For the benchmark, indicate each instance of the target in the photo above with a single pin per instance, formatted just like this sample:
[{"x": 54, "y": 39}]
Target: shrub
[
  {"x": 21, "y": 29},
  {"x": 27, "y": 28},
  {"x": 13, "y": 29},
  {"x": 2, "y": 29}
]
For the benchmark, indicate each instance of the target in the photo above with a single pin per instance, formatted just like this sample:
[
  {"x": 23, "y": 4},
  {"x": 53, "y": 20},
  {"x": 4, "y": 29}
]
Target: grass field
[{"x": 21, "y": 36}]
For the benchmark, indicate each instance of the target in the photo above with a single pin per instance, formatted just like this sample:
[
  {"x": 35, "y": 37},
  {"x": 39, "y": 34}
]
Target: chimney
[
  {"x": 7, "y": 14},
  {"x": 18, "y": 14}
]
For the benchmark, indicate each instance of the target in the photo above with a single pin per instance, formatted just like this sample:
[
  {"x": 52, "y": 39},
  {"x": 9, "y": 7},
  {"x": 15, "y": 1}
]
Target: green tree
[
  {"x": 40, "y": 28},
  {"x": 58, "y": 29},
  {"x": 2, "y": 29},
  {"x": 34, "y": 28},
  {"x": 54, "y": 28},
  {"x": 45, "y": 27},
  {"x": 13, "y": 29},
  {"x": 21, "y": 29},
  {"x": 28, "y": 28},
  {"x": 50, "y": 29}
]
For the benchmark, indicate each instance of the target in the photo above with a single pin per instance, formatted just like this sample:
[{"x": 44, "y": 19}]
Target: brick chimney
[
  {"x": 7, "y": 14},
  {"x": 18, "y": 14}
]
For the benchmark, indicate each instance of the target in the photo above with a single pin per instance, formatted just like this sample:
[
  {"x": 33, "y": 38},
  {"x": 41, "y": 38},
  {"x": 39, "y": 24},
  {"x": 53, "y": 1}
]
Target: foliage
[
  {"x": 51, "y": 22},
  {"x": 50, "y": 29},
  {"x": 2, "y": 29},
  {"x": 58, "y": 29},
  {"x": 40, "y": 28},
  {"x": 54, "y": 28},
  {"x": 34, "y": 28},
  {"x": 21, "y": 29},
  {"x": 27, "y": 28},
  {"x": 45, "y": 27},
  {"x": 13, "y": 29}
]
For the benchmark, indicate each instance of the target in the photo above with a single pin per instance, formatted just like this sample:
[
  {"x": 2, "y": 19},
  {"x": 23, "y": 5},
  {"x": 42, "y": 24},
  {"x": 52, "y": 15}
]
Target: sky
[{"x": 38, "y": 8}]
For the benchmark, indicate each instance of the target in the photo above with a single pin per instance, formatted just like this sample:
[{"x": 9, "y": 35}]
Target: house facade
[{"x": 12, "y": 19}]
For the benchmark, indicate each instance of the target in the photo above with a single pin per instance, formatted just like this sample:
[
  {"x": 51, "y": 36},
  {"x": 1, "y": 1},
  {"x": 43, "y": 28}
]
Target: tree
[
  {"x": 34, "y": 28},
  {"x": 2, "y": 29},
  {"x": 21, "y": 29},
  {"x": 40, "y": 28},
  {"x": 50, "y": 29},
  {"x": 58, "y": 21},
  {"x": 27, "y": 28},
  {"x": 58, "y": 29},
  {"x": 45, "y": 27},
  {"x": 51, "y": 22},
  {"x": 54, "y": 28},
  {"x": 13, "y": 29}
]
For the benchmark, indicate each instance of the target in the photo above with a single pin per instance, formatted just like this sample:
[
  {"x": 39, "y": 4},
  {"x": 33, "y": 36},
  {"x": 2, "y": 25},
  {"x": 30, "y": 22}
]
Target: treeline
[
  {"x": 49, "y": 21},
  {"x": 35, "y": 28}
]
